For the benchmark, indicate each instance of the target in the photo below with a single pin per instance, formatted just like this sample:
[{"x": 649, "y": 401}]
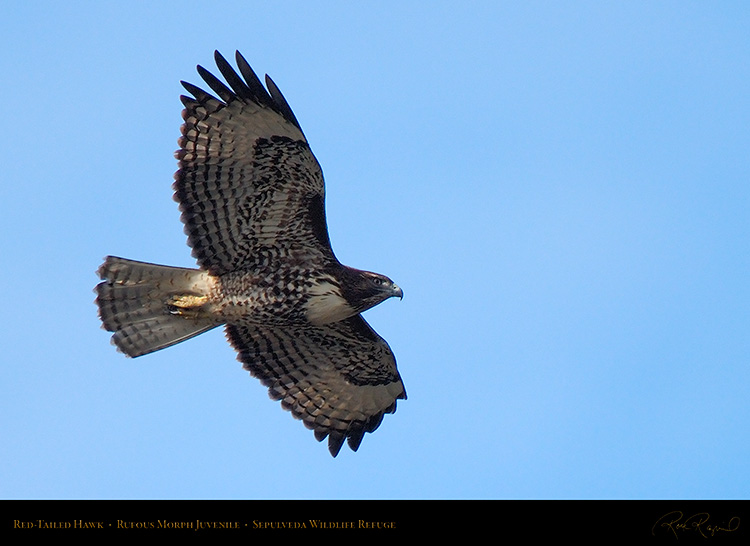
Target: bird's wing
[
  {"x": 249, "y": 187},
  {"x": 339, "y": 379}
]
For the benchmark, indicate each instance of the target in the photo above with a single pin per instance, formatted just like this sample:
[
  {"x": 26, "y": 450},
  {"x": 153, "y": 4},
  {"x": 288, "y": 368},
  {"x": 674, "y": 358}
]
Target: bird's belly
[
  {"x": 263, "y": 307},
  {"x": 275, "y": 300}
]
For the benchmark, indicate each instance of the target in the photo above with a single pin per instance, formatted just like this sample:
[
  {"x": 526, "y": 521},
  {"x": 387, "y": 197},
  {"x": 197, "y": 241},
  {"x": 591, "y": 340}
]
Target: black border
[{"x": 662, "y": 521}]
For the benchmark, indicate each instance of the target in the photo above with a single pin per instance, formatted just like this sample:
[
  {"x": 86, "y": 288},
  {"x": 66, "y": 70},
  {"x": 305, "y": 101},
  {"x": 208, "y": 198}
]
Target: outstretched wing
[
  {"x": 339, "y": 379},
  {"x": 249, "y": 187}
]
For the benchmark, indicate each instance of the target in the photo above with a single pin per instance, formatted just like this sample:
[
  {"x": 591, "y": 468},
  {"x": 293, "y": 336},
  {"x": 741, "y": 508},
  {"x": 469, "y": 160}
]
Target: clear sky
[{"x": 561, "y": 188}]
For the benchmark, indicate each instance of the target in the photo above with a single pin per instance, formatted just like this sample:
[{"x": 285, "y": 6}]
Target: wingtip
[
  {"x": 335, "y": 441},
  {"x": 218, "y": 57},
  {"x": 238, "y": 56}
]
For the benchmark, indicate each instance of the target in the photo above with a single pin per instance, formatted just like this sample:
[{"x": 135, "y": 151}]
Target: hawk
[{"x": 251, "y": 196}]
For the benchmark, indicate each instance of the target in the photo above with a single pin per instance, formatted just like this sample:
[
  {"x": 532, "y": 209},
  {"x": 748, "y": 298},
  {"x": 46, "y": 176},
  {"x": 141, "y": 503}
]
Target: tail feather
[{"x": 144, "y": 304}]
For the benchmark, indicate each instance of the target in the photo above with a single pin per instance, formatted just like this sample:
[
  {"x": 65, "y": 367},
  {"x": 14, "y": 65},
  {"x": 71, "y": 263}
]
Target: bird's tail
[{"x": 150, "y": 307}]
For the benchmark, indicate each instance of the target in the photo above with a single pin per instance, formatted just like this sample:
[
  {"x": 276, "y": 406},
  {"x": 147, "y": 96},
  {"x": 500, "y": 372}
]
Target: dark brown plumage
[{"x": 251, "y": 196}]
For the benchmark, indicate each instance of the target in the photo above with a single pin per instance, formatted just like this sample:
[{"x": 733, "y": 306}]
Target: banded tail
[{"x": 150, "y": 307}]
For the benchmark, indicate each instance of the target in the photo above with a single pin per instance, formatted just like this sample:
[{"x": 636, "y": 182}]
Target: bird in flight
[{"x": 251, "y": 196}]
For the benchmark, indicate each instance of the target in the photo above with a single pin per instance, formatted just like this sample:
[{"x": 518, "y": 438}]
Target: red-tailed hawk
[{"x": 251, "y": 195}]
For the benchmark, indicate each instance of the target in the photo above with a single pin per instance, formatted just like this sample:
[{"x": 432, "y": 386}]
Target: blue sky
[{"x": 561, "y": 189}]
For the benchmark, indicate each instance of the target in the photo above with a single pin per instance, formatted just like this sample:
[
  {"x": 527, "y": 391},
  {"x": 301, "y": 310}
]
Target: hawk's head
[
  {"x": 364, "y": 289},
  {"x": 347, "y": 292}
]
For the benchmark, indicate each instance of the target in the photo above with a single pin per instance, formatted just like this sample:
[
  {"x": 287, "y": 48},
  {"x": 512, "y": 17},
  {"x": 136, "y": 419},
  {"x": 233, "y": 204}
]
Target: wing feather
[
  {"x": 281, "y": 102},
  {"x": 339, "y": 379},
  {"x": 249, "y": 187},
  {"x": 237, "y": 84},
  {"x": 224, "y": 93},
  {"x": 260, "y": 94}
]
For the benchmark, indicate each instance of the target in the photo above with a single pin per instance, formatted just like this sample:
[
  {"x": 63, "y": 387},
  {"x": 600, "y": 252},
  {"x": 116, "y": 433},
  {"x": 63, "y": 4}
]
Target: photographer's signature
[{"x": 677, "y": 524}]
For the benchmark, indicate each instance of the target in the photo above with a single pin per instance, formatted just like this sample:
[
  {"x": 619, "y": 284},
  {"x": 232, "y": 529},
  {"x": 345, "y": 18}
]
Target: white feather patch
[{"x": 326, "y": 304}]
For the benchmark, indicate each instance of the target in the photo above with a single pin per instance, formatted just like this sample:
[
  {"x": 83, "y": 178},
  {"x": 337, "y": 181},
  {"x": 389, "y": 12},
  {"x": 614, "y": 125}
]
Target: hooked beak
[{"x": 397, "y": 292}]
